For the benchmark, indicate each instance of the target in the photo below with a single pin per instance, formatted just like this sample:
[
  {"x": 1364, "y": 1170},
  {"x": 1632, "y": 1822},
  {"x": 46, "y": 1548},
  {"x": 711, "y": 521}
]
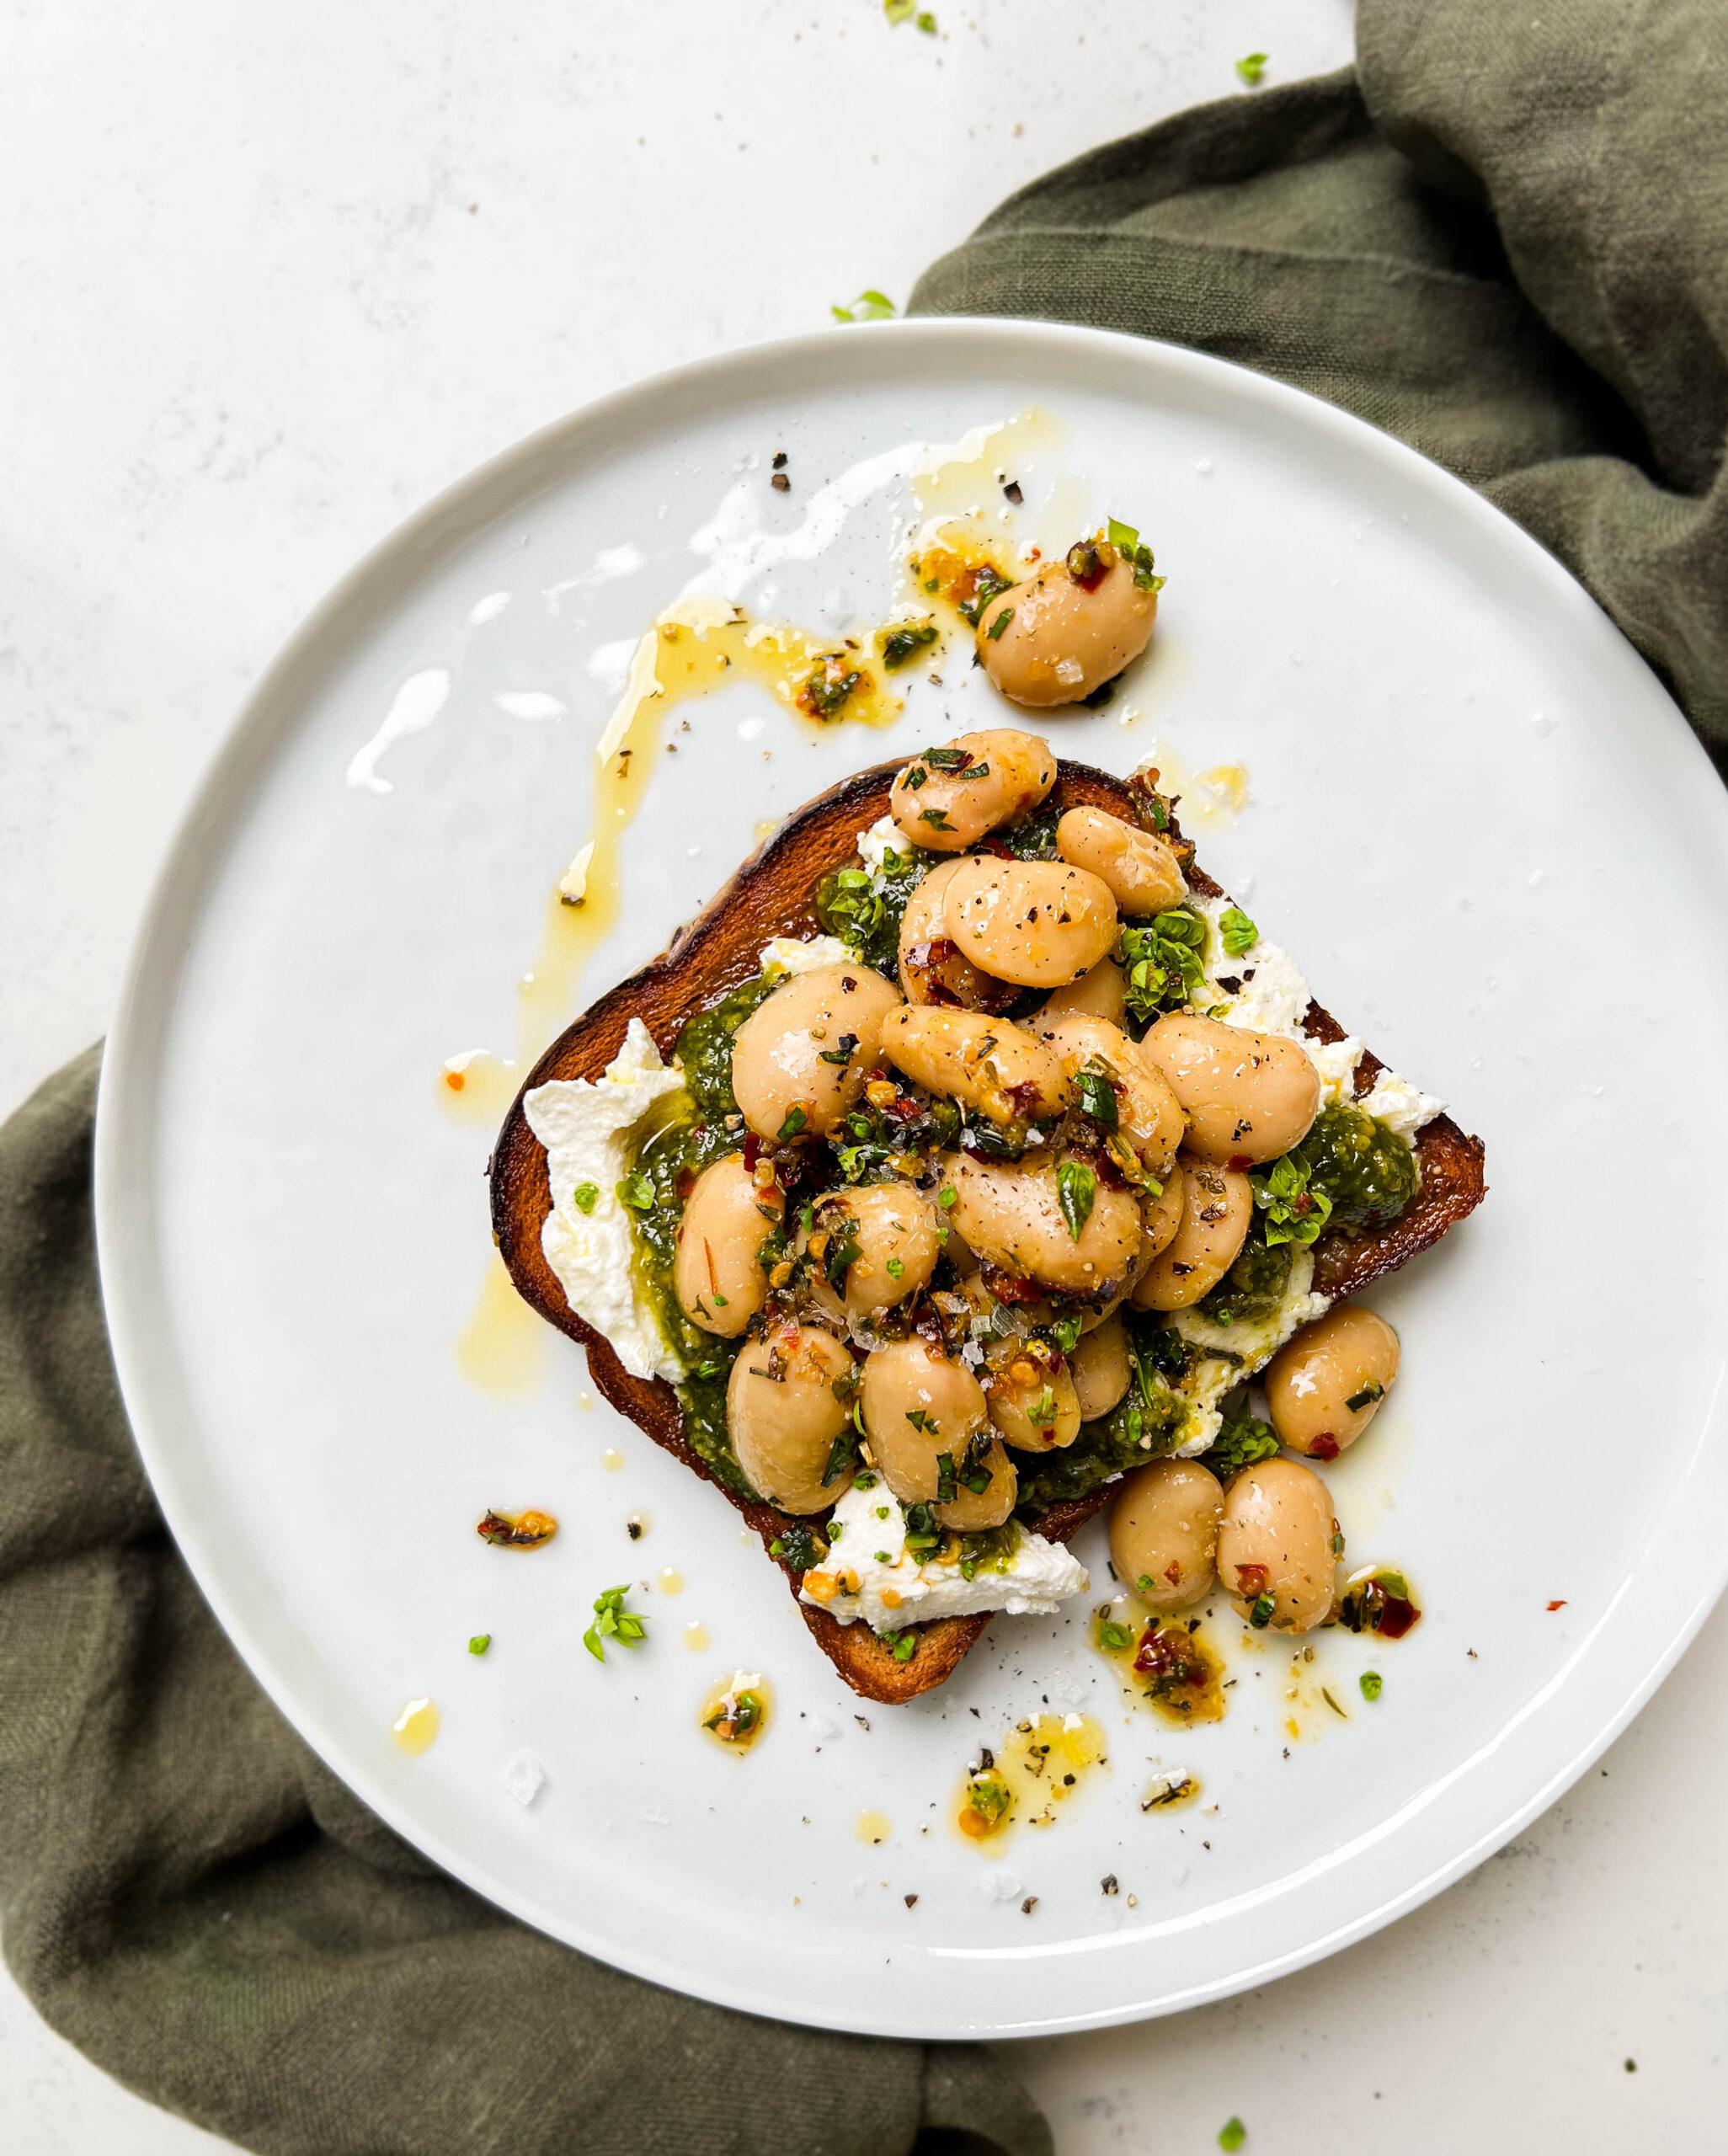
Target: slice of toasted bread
[{"x": 772, "y": 895}]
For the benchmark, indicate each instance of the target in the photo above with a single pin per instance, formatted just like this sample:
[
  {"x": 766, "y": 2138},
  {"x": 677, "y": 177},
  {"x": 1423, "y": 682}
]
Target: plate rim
[{"x": 249, "y": 736}]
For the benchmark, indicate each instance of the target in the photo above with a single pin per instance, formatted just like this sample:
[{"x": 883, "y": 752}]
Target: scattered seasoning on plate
[
  {"x": 529, "y": 1530},
  {"x": 479, "y": 1643}
]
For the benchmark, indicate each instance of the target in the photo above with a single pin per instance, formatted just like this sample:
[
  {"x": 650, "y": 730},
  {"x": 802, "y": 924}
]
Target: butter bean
[
  {"x": 783, "y": 1418},
  {"x": 1217, "y": 1205},
  {"x": 991, "y": 1064},
  {"x": 946, "y": 807},
  {"x": 1144, "y": 875},
  {"x": 1277, "y": 1539},
  {"x": 1010, "y": 1216},
  {"x": 1349, "y": 1355},
  {"x": 911, "y": 1379},
  {"x": 1248, "y": 1097},
  {"x": 1053, "y": 639},
  {"x": 1164, "y": 1531},
  {"x": 1038, "y": 923},
  {"x": 779, "y": 1066},
  {"x": 715, "y": 1275}
]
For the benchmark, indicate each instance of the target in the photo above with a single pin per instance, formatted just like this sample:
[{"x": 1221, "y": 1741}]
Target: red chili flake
[
  {"x": 752, "y": 1151},
  {"x": 902, "y": 1110},
  {"x": 455, "y": 1080},
  {"x": 1324, "y": 1447},
  {"x": 1250, "y": 1579},
  {"x": 1560, "y": 1604},
  {"x": 1238, "y": 1162},
  {"x": 685, "y": 1182}
]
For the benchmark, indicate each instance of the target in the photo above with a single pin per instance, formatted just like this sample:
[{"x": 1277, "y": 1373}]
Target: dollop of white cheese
[
  {"x": 585, "y": 1126},
  {"x": 1272, "y": 997},
  {"x": 1255, "y": 1340},
  {"x": 889, "y": 1588},
  {"x": 789, "y": 954},
  {"x": 884, "y": 837}
]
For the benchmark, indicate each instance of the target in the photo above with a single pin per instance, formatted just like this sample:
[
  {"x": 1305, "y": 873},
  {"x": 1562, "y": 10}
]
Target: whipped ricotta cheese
[
  {"x": 1270, "y": 996},
  {"x": 1245, "y": 1347},
  {"x": 790, "y": 954},
  {"x": 894, "y": 1589},
  {"x": 883, "y": 837},
  {"x": 586, "y": 1126}
]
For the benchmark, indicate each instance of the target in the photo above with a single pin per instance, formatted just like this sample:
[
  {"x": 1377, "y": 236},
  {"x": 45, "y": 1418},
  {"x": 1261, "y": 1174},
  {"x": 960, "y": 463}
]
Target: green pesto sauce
[
  {"x": 864, "y": 909},
  {"x": 704, "y": 1048},
  {"x": 1149, "y": 1409},
  {"x": 687, "y": 1133},
  {"x": 1255, "y": 1285},
  {"x": 1033, "y": 838},
  {"x": 1367, "y": 1171}
]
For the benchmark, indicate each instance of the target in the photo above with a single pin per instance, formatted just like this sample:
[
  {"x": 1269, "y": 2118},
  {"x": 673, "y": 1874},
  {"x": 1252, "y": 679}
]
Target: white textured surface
[{"x": 260, "y": 307}]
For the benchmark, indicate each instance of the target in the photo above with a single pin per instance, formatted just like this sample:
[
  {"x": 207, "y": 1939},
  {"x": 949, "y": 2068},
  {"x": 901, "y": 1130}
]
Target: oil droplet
[
  {"x": 1162, "y": 1663},
  {"x": 1208, "y": 800},
  {"x": 695, "y": 1635},
  {"x": 671, "y": 1580},
  {"x": 501, "y": 1350},
  {"x": 611, "y": 1459},
  {"x": 415, "y": 1727},
  {"x": 874, "y": 1827},
  {"x": 1169, "y": 1792},
  {"x": 477, "y": 1087},
  {"x": 1037, "y": 1767},
  {"x": 735, "y": 1713},
  {"x": 695, "y": 646}
]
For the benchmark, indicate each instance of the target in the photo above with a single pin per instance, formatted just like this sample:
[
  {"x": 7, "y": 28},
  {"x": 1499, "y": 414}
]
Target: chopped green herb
[
  {"x": 1126, "y": 542},
  {"x": 995, "y": 631},
  {"x": 636, "y": 1191},
  {"x": 1066, "y": 1332},
  {"x": 1250, "y": 68},
  {"x": 944, "y": 1477},
  {"x": 900, "y": 646},
  {"x": 839, "y": 1459},
  {"x": 1162, "y": 962},
  {"x": 479, "y": 1643},
  {"x": 612, "y": 1621},
  {"x": 586, "y": 1197},
  {"x": 926, "y": 22},
  {"x": 896, "y": 1269},
  {"x": 796, "y": 1119},
  {"x": 1232, "y": 2133},
  {"x": 870, "y": 306},
  {"x": 1114, "y": 1636},
  {"x": 1371, "y": 1682},
  {"x": 937, "y": 819},
  {"x": 1295, "y": 1211},
  {"x": 920, "y": 1418},
  {"x": 1097, "y": 1097},
  {"x": 899, "y": 11},
  {"x": 1260, "y": 1615},
  {"x": 987, "y": 580},
  {"x": 948, "y": 1197},
  {"x": 1366, "y": 1398},
  {"x": 829, "y": 685},
  {"x": 1237, "y": 932},
  {"x": 903, "y": 1644},
  {"x": 1041, "y": 1414},
  {"x": 1240, "y": 1444},
  {"x": 1076, "y": 1187}
]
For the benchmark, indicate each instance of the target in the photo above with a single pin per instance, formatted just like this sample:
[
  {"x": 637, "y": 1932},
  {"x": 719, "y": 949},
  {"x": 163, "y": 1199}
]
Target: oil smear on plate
[{"x": 1027, "y": 1778}]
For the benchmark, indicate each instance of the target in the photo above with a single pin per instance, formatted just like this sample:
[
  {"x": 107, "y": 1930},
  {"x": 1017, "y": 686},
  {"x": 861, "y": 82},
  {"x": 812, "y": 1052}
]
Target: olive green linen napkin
[
  {"x": 197, "y": 1904},
  {"x": 1503, "y": 237}
]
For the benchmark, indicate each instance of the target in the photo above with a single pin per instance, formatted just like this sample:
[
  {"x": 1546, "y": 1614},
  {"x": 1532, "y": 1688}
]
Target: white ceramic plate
[{"x": 1475, "y": 818}]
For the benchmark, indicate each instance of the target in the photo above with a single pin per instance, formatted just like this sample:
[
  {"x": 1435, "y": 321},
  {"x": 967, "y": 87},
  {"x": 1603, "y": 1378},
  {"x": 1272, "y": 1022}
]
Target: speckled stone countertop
[{"x": 272, "y": 280}]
